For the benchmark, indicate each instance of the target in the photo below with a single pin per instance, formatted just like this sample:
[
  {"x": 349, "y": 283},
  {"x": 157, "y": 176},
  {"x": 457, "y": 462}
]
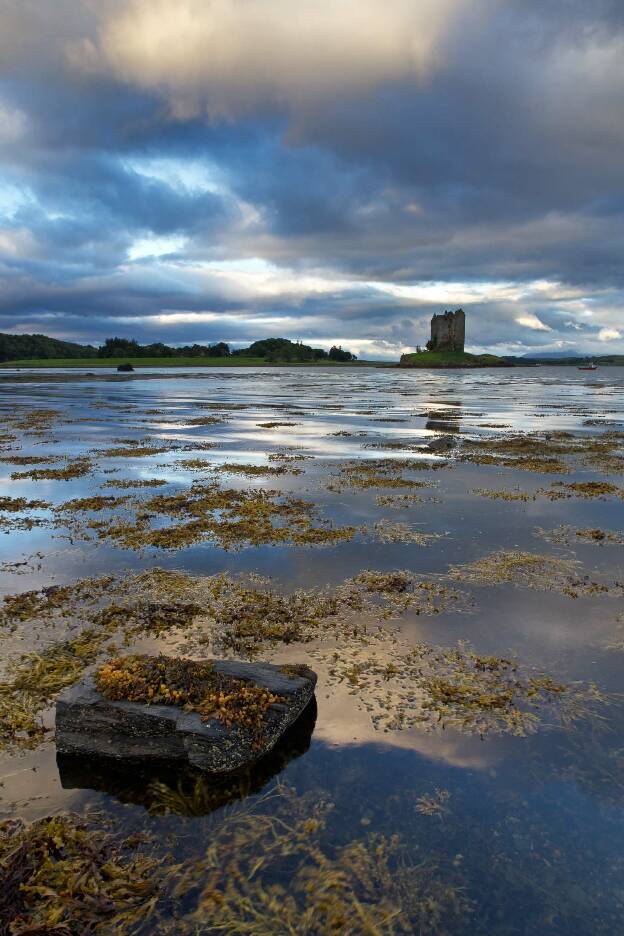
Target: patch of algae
[
  {"x": 270, "y": 868},
  {"x": 64, "y": 874},
  {"x": 388, "y": 532},
  {"x": 34, "y": 680},
  {"x": 128, "y": 483},
  {"x": 545, "y": 452},
  {"x": 257, "y": 471},
  {"x": 532, "y": 570},
  {"x": 73, "y": 469},
  {"x": 132, "y": 451},
  {"x": 16, "y": 504},
  {"x": 31, "y": 459},
  {"x": 504, "y": 495},
  {"x": 375, "y": 473},
  {"x": 568, "y": 536},
  {"x": 404, "y": 687},
  {"x": 230, "y": 517},
  {"x": 191, "y": 685},
  {"x": 35, "y": 420},
  {"x": 91, "y": 504},
  {"x": 275, "y": 425},
  {"x": 587, "y": 490}
]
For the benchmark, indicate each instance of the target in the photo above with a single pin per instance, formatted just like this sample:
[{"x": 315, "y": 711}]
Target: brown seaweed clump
[
  {"x": 504, "y": 495},
  {"x": 567, "y": 536},
  {"x": 375, "y": 473},
  {"x": 403, "y": 687},
  {"x": 269, "y": 868},
  {"x": 60, "y": 878},
  {"x": 16, "y": 504},
  {"x": 230, "y": 517},
  {"x": 587, "y": 490},
  {"x": 532, "y": 570},
  {"x": 189, "y": 684},
  {"x": 34, "y": 680},
  {"x": 73, "y": 469},
  {"x": 256, "y": 471},
  {"x": 135, "y": 483}
]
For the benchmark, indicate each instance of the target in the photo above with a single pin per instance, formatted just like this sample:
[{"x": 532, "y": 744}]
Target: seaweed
[
  {"x": 205, "y": 421},
  {"x": 231, "y": 517},
  {"x": 35, "y": 679},
  {"x": 189, "y": 684},
  {"x": 402, "y": 687},
  {"x": 132, "y": 451},
  {"x": 135, "y": 483},
  {"x": 15, "y": 504},
  {"x": 73, "y": 469},
  {"x": 504, "y": 495},
  {"x": 588, "y": 490},
  {"x": 361, "y": 475},
  {"x": 60, "y": 878},
  {"x": 269, "y": 869},
  {"x": 275, "y": 425},
  {"x": 91, "y": 504},
  {"x": 567, "y": 536},
  {"x": 532, "y": 570},
  {"x": 387, "y": 532},
  {"x": 255, "y": 471}
]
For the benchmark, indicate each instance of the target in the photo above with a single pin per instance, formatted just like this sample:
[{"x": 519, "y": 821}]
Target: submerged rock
[
  {"x": 125, "y": 368},
  {"x": 88, "y": 723}
]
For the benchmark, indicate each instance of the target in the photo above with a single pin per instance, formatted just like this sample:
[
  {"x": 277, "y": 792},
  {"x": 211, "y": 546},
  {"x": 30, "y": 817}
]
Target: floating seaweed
[
  {"x": 402, "y": 687},
  {"x": 532, "y": 570},
  {"x": 73, "y": 469},
  {"x": 567, "y": 536}
]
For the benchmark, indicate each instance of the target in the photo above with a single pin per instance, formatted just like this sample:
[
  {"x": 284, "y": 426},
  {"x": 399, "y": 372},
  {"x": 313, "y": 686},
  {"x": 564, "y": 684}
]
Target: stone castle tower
[{"x": 448, "y": 331}]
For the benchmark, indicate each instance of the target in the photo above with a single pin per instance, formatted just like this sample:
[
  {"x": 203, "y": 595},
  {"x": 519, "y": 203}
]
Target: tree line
[{"x": 273, "y": 350}]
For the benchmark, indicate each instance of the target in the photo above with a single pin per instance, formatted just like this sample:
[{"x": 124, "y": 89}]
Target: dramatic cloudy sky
[{"x": 329, "y": 170}]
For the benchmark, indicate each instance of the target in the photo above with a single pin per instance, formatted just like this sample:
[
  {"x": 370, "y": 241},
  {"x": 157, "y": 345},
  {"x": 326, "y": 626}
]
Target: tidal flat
[{"x": 443, "y": 548}]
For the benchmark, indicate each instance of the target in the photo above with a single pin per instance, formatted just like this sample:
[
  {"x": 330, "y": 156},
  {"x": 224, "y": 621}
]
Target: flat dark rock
[{"x": 87, "y": 723}]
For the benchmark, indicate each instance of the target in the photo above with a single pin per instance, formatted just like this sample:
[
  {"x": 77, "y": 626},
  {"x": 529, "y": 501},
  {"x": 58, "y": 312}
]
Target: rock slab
[{"x": 89, "y": 724}]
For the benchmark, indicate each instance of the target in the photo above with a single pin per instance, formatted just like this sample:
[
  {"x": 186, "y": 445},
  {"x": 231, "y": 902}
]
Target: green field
[
  {"x": 440, "y": 359},
  {"x": 234, "y": 361}
]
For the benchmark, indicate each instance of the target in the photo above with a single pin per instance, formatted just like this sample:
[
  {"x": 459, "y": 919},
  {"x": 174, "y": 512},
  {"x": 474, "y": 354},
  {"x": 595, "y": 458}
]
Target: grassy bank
[
  {"x": 94, "y": 363},
  {"x": 439, "y": 359}
]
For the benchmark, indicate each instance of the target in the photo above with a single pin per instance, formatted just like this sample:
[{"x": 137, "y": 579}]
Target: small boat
[{"x": 591, "y": 366}]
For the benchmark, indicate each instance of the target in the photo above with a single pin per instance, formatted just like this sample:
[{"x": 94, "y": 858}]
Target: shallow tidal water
[{"x": 509, "y": 833}]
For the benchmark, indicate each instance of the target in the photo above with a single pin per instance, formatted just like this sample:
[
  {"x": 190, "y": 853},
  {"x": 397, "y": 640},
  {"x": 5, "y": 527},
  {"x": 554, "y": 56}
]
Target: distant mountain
[
  {"x": 565, "y": 358},
  {"x": 551, "y": 355},
  {"x": 28, "y": 347}
]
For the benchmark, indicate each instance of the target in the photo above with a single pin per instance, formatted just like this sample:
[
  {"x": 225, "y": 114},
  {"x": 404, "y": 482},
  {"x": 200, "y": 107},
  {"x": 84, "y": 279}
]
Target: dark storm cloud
[{"x": 492, "y": 154}]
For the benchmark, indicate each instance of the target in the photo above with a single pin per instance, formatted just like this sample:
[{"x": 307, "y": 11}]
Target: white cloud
[
  {"x": 155, "y": 246},
  {"x": 609, "y": 334},
  {"x": 227, "y": 54},
  {"x": 528, "y": 320}
]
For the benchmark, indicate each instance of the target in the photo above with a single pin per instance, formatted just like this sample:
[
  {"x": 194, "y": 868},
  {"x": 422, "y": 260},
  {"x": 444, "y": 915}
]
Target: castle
[{"x": 448, "y": 331}]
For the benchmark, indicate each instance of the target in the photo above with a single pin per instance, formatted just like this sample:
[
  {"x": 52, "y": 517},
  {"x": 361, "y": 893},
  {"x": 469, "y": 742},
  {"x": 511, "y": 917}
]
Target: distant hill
[
  {"x": 558, "y": 359},
  {"x": 19, "y": 347}
]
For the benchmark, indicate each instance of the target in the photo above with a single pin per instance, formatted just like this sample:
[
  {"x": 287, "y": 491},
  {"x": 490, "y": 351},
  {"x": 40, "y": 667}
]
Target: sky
[{"x": 334, "y": 171}]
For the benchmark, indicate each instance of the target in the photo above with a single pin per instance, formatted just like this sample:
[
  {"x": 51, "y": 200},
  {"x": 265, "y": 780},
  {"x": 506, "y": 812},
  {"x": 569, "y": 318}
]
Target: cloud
[
  {"x": 532, "y": 321},
  {"x": 227, "y": 55},
  {"x": 331, "y": 171}
]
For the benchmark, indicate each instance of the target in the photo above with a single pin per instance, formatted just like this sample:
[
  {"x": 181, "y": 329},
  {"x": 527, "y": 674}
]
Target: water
[{"x": 527, "y": 830}]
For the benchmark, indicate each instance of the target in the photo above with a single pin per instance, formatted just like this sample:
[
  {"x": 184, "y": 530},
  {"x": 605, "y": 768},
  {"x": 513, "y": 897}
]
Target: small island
[{"x": 445, "y": 349}]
